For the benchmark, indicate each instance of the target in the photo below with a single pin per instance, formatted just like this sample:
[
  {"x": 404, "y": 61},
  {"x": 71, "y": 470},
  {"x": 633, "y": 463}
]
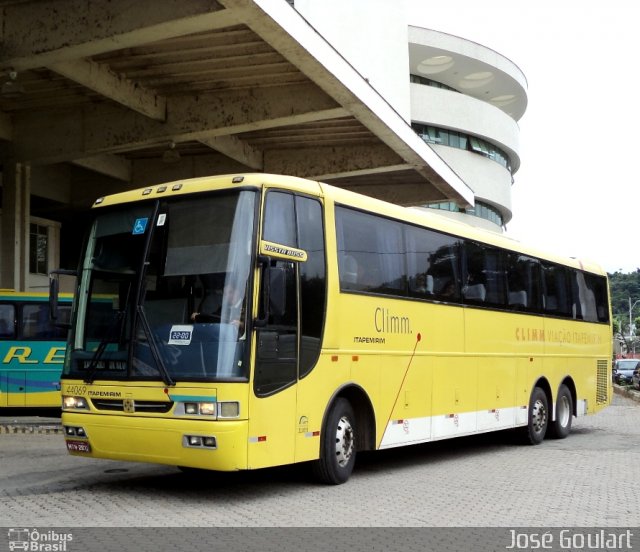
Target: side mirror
[{"x": 54, "y": 292}]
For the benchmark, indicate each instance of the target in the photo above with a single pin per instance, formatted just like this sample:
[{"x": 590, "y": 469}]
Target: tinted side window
[
  {"x": 7, "y": 321},
  {"x": 36, "y": 323},
  {"x": 370, "y": 253},
  {"x": 484, "y": 278},
  {"x": 591, "y": 297},
  {"x": 313, "y": 284},
  {"x": 557, "y": 298},
  {"x": 432, "y": 264},
  {"x": 523, "y": 282}
]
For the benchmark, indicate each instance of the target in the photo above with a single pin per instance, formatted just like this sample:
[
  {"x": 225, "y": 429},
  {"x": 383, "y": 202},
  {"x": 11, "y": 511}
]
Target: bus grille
[
  {"x": 602, "y": 383},
  {"x": 159, "y": 407}
]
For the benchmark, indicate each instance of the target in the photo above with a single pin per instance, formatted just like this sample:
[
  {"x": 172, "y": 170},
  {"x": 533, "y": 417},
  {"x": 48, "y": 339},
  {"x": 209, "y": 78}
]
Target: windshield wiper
[
  {"x": 166, "y": 377},
  {"x": 93, "y": 365}
]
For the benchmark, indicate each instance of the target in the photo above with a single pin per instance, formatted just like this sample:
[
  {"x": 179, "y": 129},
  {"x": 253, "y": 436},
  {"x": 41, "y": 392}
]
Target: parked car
[{"x": 623, "y": 370}]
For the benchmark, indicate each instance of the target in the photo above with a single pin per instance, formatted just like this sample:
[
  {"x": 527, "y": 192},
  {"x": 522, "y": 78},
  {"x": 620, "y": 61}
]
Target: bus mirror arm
[
  {"x": 54, "y": 291},
  {"x": 264, "y": 262}
]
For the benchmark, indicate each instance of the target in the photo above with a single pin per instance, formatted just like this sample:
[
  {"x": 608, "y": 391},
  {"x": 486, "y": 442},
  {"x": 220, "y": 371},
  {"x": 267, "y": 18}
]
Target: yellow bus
[{"x": 260, "y": 320}]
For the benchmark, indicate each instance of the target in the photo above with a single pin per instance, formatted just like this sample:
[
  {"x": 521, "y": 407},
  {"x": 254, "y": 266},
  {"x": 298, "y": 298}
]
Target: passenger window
[
  {"x": 557, "y": 293},
  {"x": 371, "y": 254},
  {"x": 484, "y": 277},
  {"x": 523, "y": 283},
  {"x": 432, "y": 264},
  {"x": 7, "y": 322},
  {"x": 590, "y": 293},
  {"x": 36, "y": 323}
]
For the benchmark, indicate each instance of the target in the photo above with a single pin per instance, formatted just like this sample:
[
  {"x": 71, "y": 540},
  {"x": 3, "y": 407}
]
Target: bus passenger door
[{"x": 272, "y": 408}]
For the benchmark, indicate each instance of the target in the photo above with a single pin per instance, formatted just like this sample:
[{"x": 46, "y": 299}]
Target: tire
[
  {"x": 337, "y": 445},
  {"x": 535, "y": 430},
  {"x": 561, "y": 426}
]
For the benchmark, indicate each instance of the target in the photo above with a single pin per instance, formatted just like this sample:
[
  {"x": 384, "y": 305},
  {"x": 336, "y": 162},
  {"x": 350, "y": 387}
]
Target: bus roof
[
  {"x": 210, "y": 183},
  {"x": 421, "y": 217}
]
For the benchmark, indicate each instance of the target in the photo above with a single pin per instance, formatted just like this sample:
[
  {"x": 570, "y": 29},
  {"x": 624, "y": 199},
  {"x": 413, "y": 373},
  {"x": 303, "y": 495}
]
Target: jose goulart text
[{"x": 570, "y": 539}]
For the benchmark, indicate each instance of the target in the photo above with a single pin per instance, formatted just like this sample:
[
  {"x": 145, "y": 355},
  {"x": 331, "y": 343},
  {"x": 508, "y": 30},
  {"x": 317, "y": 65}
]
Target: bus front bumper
[{"x": 212, "y": 445}]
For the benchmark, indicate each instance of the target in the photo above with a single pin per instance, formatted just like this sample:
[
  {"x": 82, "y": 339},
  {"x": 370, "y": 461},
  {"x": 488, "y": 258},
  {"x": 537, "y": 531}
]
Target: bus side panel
[
  {"x": 13, "y": 385},
  {"x": 408, "y": 419},
  {"x": 271, "y": 438},
  {"x": 31, "y": 373},
  {"x": 42, "y": 388},
  {"x": 397, "y": 348},
  {"x": 506, "y": 346},
  {"x": 582, "y": 352},
  {"x": 455, "y": 396},
  {"x": 315, "y": 392}
]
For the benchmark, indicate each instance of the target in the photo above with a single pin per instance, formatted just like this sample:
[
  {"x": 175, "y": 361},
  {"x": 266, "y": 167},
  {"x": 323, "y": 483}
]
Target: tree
[{"x": 624, "y": 287}]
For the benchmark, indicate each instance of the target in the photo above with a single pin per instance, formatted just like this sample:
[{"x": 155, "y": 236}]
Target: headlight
[
  {"x": 207, "y": 409},
  {"x": 200, "y": 409},
  {"x": 74, "y": 403},
  {"x": 213, "y": 410}
]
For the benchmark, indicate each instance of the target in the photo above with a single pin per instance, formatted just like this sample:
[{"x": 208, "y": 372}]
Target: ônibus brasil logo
[{"x": 38, "y": 541}]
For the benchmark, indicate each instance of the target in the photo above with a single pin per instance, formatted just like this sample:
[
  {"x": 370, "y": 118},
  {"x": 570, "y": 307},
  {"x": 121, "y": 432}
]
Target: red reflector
[
  {"x": 355, "y": 358},
  {"x": 262, "y": 438}
]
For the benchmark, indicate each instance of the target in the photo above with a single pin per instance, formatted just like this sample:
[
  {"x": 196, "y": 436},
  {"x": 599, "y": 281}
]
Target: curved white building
[
  {"x": 466, "y": 101},
  {"x": 462, "y": 98},
  {"x": 345, "y": 92}
]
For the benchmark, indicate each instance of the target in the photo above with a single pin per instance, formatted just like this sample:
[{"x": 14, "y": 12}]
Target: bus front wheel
[
  {"x": 561, "y": 426},
  {"x": 533, "y": 433},
  {"x": 337, "y": 445}
]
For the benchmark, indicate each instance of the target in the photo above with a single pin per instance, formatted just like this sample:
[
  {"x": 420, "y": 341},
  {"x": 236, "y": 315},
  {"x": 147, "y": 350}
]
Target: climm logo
[
  {"x": 557, "y": 336},
  {"x": 530, "y": 334},
  {"x": 387, "y": 322},
  {"x": 22, "y": 354}
]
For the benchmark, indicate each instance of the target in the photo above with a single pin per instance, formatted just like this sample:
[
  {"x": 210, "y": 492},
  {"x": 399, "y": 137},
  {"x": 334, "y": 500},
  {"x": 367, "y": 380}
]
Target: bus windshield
[{"x": 164, "y": 287}]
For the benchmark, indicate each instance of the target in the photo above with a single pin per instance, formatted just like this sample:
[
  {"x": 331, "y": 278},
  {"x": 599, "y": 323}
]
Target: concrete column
[{"x": 14, "y": 231}]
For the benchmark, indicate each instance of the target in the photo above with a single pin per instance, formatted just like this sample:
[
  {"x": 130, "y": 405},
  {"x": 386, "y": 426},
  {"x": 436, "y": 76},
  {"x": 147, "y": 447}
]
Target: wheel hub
[
  {"x": 344, "y": 442},
  {"x": 539, "y": 416}
]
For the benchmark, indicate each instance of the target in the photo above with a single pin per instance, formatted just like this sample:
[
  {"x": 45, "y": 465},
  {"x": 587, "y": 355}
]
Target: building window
[
  {"x": 38, "y": 249},
  {"x": 417, "y": 79},
  {"x": 481, "y": 210},
  {"x": 460, "y": 140}
]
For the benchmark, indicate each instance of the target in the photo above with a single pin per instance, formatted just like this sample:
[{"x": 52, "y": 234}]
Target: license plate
[{"x": 78, "y": 446}]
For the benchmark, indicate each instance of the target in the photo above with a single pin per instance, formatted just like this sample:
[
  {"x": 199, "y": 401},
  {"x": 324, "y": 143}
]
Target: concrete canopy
[{"x": 230, "y": 85}]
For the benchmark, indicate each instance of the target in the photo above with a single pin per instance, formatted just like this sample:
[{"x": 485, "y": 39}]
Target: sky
[{"x": 577, "y": 191}]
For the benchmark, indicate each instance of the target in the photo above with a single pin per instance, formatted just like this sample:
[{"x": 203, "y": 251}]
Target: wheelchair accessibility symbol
[{"x": 139, "y": 226}]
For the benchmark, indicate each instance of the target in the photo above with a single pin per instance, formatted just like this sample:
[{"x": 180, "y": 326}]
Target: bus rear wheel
[
  {"x": 561, "y": 426},
  {"x": 535, "y": 430},
  {"x": 337, "y": 445}
]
